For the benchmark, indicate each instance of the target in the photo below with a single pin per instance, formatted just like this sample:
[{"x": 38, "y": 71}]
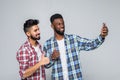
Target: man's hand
[
  {"x": 55, "y": 55},
  {"x": 28, "y": 72},
  {"x": 44, "y": 60},
  {"x": 104, "y": 31}
]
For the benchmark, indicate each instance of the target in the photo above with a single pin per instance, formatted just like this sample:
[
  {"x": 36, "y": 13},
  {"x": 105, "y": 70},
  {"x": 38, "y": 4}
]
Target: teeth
[{"x": 62, "y": 29}]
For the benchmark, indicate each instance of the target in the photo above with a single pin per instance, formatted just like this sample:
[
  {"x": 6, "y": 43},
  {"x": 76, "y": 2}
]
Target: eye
[
  {"x": 38, "y": 29},
  {"x": 35, "y": 30}
]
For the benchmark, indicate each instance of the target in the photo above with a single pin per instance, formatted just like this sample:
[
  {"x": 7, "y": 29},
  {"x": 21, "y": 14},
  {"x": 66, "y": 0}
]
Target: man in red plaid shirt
[{"x": 30, "y": 55}]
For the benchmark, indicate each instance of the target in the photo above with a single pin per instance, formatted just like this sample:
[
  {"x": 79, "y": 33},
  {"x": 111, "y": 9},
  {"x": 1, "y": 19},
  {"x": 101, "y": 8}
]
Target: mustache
[{"x": 38, "y": 34}]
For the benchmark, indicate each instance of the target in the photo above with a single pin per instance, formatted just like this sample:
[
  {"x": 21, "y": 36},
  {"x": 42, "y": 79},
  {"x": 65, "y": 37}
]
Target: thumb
[
  {"x": 104, "y": 25},
  {"x": 43, "y": 55}
]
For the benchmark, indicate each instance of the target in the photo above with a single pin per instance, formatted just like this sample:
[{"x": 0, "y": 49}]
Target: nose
[
  {"x": 38, "y": 31},
  {"x": 62, "y": 25}
]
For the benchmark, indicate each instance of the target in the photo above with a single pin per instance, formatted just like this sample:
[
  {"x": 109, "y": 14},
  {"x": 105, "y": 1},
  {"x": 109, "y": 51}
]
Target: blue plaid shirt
[{"x": 73, "y": 44}]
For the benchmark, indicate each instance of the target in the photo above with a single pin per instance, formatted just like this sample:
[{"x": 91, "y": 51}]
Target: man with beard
[
  {"x": 30, "y": 55},
  {"x": 63, "y": 50}
]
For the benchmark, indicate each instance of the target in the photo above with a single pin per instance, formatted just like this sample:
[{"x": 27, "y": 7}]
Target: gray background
[{"x": 82, "y": 17}]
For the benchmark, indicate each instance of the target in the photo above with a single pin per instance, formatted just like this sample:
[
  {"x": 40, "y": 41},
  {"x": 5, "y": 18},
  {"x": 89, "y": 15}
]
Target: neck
[
  {"x": 59, "y": 37},
  {"x": 32, "y": 42}
]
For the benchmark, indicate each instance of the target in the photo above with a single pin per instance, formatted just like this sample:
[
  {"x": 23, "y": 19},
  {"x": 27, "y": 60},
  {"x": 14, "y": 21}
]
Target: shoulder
[
  {"x": 71, "y": 36},
  {"x": 51, "y": 39},
  {"x": 23, "y": 48}
]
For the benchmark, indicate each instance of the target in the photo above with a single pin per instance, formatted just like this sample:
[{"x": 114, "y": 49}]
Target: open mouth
[{"x": 62, "y": 29}]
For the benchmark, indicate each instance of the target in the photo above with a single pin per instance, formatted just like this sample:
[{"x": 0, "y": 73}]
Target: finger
[
  {"x": 105, "y": 29},
  {"x": 47, "y": 60},
  {"x": 53, "y": 56},
  {"x": 55, "y": 49},
  {"x": 58, "y": 53},
  {"x": 43, "y": 52},
  {"x": 43, "y": 55},
  {"x": 104, "y": 32},
  {"x": 104, "y": 24}
]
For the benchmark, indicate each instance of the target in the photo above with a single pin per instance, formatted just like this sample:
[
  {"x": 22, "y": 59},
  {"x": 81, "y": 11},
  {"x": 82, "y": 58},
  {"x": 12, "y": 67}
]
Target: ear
[
  {"x": 52, "y": 26},
  {"x": 28, "y": 34}
]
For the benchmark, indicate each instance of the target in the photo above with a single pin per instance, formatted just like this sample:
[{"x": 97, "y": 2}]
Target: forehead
[
  {"x": 58, "y": 20},
  {"x": 34, "y": 27}
]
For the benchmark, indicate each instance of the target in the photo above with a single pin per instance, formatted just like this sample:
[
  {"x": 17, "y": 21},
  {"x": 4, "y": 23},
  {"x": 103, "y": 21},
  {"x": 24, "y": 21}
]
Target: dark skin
[
  {"x": 58, "y": 24},
  {"x": 55, "y": 55}
]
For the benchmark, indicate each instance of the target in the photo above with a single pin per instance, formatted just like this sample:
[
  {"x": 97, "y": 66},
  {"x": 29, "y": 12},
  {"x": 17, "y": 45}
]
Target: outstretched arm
[{"x": 88, "y": 44}]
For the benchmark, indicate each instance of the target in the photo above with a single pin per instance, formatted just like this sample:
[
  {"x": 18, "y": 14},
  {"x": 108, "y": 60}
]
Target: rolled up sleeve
[{"x": 22, "y": 57}]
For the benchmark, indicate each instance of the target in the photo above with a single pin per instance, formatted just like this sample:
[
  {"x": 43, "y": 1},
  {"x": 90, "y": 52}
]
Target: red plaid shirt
[{"x": 27, "y": 57}]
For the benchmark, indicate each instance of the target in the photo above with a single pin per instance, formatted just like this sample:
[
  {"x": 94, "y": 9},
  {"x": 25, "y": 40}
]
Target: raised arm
[{"x": 89, "y": 44}]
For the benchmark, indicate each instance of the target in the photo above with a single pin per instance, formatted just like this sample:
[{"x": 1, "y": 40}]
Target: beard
[
  {"x": 35, "y": 38},
  {"x": 59, "y": 32}
]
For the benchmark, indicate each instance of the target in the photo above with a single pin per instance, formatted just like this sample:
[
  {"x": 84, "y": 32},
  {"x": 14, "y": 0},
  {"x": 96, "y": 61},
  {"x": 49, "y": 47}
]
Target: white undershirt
[
  {"x": 37, "y": 49},
  {"x": 62, "y": 49}
]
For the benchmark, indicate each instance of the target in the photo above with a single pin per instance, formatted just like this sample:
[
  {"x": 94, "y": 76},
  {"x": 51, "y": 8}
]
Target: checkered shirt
[
  {"x": 73, "y": 44},
  {"x": 27, "y": 57}
]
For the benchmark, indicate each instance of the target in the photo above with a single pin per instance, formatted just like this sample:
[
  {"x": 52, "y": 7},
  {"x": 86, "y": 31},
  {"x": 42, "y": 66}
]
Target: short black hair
[
  {"x": 55, "y": 16},
  {"x": 29, "y": 23}
]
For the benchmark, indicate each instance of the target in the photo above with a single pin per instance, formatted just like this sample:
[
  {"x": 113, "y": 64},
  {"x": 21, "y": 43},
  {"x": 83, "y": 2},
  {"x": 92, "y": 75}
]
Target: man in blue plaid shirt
[{"x": 63, "y": 50}]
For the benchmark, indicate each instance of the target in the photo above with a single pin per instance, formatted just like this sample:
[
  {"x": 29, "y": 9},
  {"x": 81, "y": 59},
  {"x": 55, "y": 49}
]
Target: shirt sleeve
[
  {"x": 47, "y": 54},
  {"x": 22, "y": 57},
  {"x": 89, "y": 44}
]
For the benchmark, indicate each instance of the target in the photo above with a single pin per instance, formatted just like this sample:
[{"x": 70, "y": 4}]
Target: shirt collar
[
  {"x": 27, "y": 43},
  {"x": 65, "y": 37}
]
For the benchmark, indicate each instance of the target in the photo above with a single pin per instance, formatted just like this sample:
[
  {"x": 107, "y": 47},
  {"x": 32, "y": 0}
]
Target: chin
[{"x": 38, "y": 38}]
